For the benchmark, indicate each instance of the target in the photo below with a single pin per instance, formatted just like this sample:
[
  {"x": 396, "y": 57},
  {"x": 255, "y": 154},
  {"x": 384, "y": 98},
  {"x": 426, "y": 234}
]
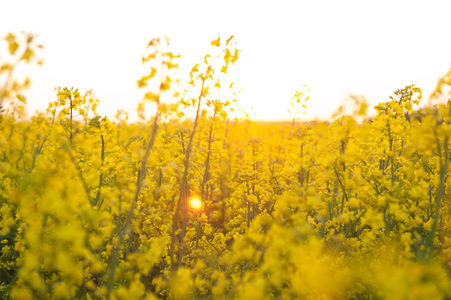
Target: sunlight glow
[
  {"x": 337, "y": 51},
  {"x": 195, "y": 203}
]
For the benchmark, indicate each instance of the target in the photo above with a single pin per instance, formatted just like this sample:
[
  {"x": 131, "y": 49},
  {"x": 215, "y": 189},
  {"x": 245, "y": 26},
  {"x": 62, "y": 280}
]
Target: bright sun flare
[{"x": 195, "y": 203}]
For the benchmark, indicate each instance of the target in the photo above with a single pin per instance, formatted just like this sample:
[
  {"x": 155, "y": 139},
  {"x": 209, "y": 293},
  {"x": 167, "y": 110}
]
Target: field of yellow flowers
[{"x": 214, "y": 208}]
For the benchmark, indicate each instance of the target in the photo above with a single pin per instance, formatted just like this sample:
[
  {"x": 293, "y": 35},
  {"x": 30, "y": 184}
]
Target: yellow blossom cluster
[{"x": 93, "y": 208}]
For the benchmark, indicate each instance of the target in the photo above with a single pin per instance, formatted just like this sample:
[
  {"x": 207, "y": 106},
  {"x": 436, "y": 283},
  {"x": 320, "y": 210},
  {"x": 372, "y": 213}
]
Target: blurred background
[{"x": 336, "y": 48}]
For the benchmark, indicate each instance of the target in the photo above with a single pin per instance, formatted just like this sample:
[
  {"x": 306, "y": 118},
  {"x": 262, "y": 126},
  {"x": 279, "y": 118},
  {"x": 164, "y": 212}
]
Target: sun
[{"x": 195, "y": 202}]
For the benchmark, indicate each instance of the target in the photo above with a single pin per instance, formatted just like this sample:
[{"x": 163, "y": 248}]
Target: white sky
[{"x": 335, "y": 47}]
